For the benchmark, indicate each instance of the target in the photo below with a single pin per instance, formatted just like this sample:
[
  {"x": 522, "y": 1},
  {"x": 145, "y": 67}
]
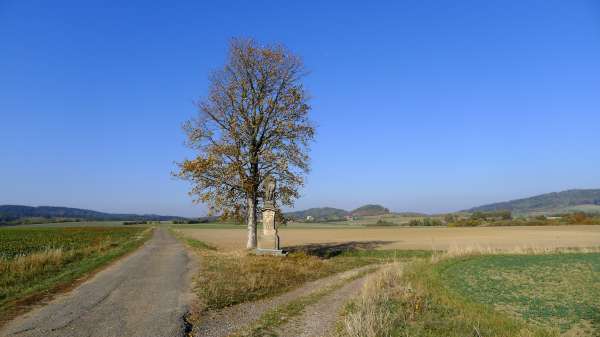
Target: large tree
[{"x": 253, "y": 123}]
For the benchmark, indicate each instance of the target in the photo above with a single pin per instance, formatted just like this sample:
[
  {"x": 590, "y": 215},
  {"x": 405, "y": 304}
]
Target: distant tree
[
  {"x": 450, "y": 218},
  {"x": 253, "y": 123},
  {"x": 280, "y": 218},
  {"x": 578, "y": 218}
]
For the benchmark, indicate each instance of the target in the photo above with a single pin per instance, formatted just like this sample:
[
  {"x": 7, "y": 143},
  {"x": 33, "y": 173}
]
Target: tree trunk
[{"x": 251, "y": 223}]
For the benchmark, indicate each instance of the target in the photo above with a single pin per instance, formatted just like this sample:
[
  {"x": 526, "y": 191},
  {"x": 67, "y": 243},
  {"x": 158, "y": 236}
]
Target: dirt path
[
  {"x": 144, "y": 294},
  {"x": 318, "y": 320},
  {"x": 229, "y": 320}
]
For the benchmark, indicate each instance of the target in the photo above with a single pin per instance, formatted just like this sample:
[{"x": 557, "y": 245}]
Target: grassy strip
[
  {"x": 279, "y": 315},
  {"x": 228, "y": 278},
  {"x": 29, "y": 279},
  {"x": 417, "y": 302}
]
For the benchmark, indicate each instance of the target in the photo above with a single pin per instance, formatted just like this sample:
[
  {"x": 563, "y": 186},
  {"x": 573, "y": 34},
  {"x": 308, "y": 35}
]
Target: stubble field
[{"x": 437, "y": 238}]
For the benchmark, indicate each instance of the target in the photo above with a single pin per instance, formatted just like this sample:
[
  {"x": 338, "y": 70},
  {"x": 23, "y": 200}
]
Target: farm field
[
  {"x": 558, "y": 291},
  {"x": 37, "y": 261},
  {"x": 430, "y": 238},
  {"x": 76, "y": 224}
]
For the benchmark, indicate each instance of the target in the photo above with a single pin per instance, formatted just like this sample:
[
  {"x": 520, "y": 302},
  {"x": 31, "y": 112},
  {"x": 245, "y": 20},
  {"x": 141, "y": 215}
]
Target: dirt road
[
  {"x": 145, "y": 294},
  {"x": 234, "y": 319},
  {"x": 319, "y": 319}
]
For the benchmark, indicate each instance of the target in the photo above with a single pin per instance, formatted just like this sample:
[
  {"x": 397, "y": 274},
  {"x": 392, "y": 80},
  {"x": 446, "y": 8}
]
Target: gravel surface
[
  {"x": 229, "y": 320},
  {"x": 144, "y": 294},
  {"x": 319, "y": 319}
]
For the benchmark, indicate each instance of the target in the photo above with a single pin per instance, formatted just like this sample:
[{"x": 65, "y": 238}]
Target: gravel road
[{"x": 144, "y": 294}]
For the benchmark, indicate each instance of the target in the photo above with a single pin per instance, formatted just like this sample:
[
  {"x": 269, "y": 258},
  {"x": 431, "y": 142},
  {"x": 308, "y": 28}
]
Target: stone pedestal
[{"x": 269, "y": 240}]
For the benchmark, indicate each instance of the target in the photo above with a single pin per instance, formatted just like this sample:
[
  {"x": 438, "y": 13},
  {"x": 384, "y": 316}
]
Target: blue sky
[{"x": 420, "y": 105}]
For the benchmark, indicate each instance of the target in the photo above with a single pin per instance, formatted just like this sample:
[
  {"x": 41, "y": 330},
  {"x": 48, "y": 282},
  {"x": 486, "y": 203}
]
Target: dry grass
[
  {"x": 231, "y": 277},
  {"x": 438, "y": 238},
  {"x": 28, "y": 264},
  {"x": 478, "y": 250},
  {"x": 26, "y": 268},
  {"x": 369, "y": 314}
]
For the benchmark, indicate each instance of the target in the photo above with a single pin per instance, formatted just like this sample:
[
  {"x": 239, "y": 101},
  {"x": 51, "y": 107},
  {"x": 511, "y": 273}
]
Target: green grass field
[
  {"x": 556, "y": 291},
  {"x": 17, "y": 241},
  {"x": 35, "y": 262}
]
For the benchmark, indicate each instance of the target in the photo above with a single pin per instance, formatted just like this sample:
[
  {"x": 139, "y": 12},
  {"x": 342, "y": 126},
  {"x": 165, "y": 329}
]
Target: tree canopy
[{"x": 253, "y": 123}]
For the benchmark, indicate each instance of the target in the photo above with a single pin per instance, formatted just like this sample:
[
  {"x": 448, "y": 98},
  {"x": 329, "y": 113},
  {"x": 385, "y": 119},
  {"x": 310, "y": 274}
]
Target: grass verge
[
  {"x": 227, "y": 278},
  {"x": 53, "y": 260}
]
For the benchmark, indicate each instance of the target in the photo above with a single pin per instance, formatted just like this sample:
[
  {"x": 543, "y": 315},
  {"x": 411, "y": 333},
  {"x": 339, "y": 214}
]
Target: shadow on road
[{"x": 329, "y": 250}]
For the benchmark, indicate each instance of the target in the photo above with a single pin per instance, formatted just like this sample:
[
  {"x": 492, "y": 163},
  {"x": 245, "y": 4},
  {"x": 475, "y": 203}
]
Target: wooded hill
[
  {"x": 569, "y": 201},
  {"x": 332, "y": 214},
  {"x": 14, "y": 214}
]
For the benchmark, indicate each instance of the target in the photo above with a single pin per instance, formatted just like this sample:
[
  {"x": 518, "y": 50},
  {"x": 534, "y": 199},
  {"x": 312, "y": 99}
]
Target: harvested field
[{"x": 437, "y": 238}]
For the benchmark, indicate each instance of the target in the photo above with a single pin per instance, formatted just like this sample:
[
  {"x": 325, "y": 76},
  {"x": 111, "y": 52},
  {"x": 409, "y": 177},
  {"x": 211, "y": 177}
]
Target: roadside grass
[
  {"x": 418, "y": 301},
  {"x": 38, "y": 262},
  {"x": 556, "y": 290},
  {"x": 227, "y": 278}
]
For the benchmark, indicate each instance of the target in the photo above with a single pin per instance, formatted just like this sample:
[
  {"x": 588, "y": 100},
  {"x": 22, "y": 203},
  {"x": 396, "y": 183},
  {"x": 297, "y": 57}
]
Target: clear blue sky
[{"x": 420, "y": 105}]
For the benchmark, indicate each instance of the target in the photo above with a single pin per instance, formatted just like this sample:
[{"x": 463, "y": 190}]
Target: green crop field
[
  {"x": 35, "y": 262},
  {"x": 555, "y": 291},
  {"x": 24, "y": 241},
  {"x": 76, "y": 224}
]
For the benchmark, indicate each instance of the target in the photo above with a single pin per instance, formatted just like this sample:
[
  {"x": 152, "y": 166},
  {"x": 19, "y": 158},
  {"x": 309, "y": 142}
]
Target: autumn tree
[{"x": 253, "y": 123}]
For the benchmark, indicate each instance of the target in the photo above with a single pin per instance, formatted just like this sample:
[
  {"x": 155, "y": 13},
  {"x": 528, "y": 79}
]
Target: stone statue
[
  {"x": 269, "y": 186},
  {"x": 269, "y": 240}
]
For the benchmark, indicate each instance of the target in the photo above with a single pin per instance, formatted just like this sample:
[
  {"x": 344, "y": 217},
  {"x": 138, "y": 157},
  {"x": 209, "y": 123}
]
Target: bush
[
  {"x": 494, "y": 215},
  {"x": 382, "y": 222},
  {"x": 189, "y": 221},
  {"x": 466, "y": 223},
  {"x": 425, "y": 222},
  {"x": 127, "y": 223}
]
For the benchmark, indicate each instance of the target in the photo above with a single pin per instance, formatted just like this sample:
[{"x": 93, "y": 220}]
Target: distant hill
[
  {"x": 332, "y": 214},
  {"x": 320, "y": 213},
  {"x": 13, "y": 213},
  {"x": 367, "y": 210},
  {"x": 550, "y": 203}
]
